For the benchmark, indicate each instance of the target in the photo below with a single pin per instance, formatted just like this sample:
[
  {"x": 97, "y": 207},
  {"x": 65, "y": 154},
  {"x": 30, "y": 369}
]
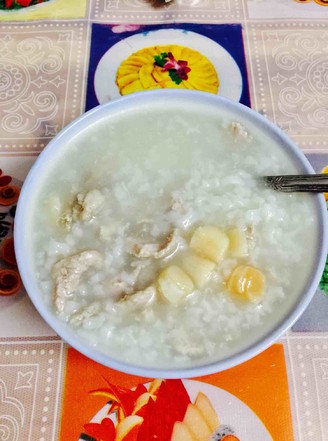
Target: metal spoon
[{"x": 317, "y": 183}]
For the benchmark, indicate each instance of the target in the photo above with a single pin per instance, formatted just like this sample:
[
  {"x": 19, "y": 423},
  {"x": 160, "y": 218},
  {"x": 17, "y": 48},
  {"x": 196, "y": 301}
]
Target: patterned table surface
[{"x": 49, "y": 56}]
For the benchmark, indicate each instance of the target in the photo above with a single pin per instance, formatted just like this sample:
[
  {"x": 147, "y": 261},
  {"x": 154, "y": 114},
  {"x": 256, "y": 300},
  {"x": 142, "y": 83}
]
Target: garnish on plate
[{"x": 177, "y": 69}]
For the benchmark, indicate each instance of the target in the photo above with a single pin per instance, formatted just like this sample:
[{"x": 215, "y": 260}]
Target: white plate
[
  {"x": 229, "y": 74},
  {"x": 230, "y": 410}
]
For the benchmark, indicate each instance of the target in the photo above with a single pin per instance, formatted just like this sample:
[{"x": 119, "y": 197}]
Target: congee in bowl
[{"x": 147, "y": 239}]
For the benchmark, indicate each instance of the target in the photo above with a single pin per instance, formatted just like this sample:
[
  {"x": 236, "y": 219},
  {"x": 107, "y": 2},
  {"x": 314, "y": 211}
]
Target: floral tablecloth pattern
[{"x": 49, "y": 56}]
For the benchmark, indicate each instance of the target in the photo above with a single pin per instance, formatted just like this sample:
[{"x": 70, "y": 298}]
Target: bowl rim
[{"x": 253, "y": 349}]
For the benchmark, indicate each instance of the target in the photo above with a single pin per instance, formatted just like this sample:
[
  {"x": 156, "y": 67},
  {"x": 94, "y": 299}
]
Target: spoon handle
[{"x": 317, "y": 183}]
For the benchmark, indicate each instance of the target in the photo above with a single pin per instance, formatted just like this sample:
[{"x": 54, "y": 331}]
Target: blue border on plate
[{"x": 229, "y": 36}]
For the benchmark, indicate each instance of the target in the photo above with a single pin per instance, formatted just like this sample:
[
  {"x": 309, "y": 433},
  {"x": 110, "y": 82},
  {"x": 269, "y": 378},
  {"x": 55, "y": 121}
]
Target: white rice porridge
[{"x": 121, "y": 205}]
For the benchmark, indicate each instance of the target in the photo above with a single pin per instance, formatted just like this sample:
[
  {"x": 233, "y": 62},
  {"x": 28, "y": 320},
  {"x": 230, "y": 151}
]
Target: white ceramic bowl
[{"x": 57, "y": 145}]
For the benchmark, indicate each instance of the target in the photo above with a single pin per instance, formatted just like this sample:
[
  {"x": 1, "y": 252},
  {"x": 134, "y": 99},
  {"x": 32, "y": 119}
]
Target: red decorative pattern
[{"x": 10, "y": 282}]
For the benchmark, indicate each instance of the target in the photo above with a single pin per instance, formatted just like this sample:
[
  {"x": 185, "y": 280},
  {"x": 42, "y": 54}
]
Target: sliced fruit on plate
[
  {"x": 159, "y": 75},
  {"x": 197, "y": 84},
  {"x": 181, "y": 432},
  {"x": 171, "y": 85},
  {"x": 141, "y": 59},
  {"x": 177, "y": 51},
  {"x": 204, "y": 405},
  {"x": 155, "y": 385},
  {"x": 160, "y": 416},
  {"x": 135, "y": 86},
  {"x": 191, "y": 56},
  {"x": 141, "y": 403},
  {"x": 126, "y": 70},
  {"x": 197, "y": 424},
  {"x": 149, "y": 63},
  {"x": 134, "y": 61},
  {"x": 145, "y": 76},
  {"x": 127, "y": 429},
  {"x": 127, "y": 79},
  {"x": 123, "y": 399}
]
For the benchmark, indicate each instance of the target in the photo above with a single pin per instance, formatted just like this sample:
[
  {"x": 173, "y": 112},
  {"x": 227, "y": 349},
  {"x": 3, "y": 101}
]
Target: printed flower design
[
  {"x": 18, "y": 4},
  {"x": 169, "y": 66},
  {"x": 178, "y": 70},
  {"x": 122, "y": 399},
  {"x": 105, "y": 431}
]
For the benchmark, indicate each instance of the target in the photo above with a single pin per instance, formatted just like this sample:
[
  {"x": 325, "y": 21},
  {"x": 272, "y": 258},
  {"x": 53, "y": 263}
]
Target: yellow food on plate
[
  {"x": 196, "y": 423},
  {"x": 155, "y": 385},
  {"x": 181, "y": 432},
  {"x": 128, "y": 428},
  {"x": 167, "y": 66},
  {"x": 206, "y": 408},
  {"x": 142, "y": 402}
]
